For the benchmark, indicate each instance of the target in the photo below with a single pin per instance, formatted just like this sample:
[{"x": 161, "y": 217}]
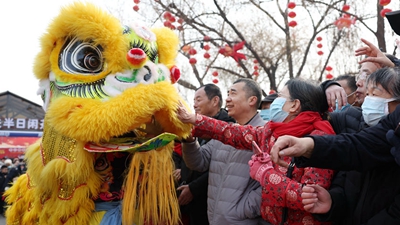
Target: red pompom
[
  {"x": 329, "y": 76},
  {"x": 215, "y": 81},
  {"x": 206, "y": 55},
  {"x": 346, "y": 8},
  {"x": 320, "y": 52},
  {"x": 215, "y": 73},
  {"x": 319, "y": 38},
  {"x": 328, "y": 68},
  {"x": 136, "y": 8},
  {"x": 319, "y": 45},
  {"x": 206, "y": 47},
  {"x": 175, "y": 74}
]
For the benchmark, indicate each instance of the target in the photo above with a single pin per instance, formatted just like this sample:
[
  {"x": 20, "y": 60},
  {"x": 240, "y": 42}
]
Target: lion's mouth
[{"x": 148, "y": 137}]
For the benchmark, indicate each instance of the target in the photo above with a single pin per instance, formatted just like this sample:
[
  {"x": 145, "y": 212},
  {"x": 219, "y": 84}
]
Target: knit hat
[{"x": 394, "y": 20}]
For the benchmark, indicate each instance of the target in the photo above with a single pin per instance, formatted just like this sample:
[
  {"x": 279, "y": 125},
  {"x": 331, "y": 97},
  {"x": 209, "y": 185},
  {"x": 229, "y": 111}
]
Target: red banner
[{"x": 14, "y": 147}]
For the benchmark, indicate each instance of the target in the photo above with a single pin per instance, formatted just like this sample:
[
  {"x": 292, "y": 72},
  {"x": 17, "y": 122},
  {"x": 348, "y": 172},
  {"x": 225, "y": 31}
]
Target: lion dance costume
[{"x": 106, "y": 152}]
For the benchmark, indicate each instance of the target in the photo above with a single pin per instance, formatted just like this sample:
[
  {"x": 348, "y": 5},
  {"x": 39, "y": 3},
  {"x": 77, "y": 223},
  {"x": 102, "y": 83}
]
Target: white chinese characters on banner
[{"x": 21, "y": 124}]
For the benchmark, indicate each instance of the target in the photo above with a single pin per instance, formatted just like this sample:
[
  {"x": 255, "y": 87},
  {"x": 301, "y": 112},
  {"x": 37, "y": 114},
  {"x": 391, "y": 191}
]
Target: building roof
[{"x": 13, "y": 106}]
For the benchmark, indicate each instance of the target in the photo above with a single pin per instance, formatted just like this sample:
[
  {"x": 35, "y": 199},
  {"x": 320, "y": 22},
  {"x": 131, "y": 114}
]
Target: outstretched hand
[
  {"x": 291, "y": 146},
  {"x": 184, "y": 116},
  {"x": 316, "y": 199},
  {"x": 374, "y": 55}
]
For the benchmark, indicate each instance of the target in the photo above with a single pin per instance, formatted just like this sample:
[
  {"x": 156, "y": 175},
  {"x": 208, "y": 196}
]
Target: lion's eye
[{"x": 78, "y": 57}]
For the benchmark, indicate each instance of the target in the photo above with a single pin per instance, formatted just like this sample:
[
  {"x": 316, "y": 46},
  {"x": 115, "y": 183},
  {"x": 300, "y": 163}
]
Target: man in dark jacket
[{"x": 194, "y": 184}]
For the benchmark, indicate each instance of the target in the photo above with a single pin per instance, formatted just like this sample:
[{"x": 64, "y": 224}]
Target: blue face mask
[
  {"x": 374, "y": 108},
  {"x": 345, "y": 106},
  {"x": 265, "y": 114},
  {"x": 277, "y": 113}
]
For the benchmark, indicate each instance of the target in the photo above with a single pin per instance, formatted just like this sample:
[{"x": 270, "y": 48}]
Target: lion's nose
[{"x": 136, "y": 57}]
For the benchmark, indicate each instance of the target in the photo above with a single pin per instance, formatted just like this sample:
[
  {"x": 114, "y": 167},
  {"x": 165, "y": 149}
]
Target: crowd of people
[
  {"x": 10, "y": 169},
  {"x": 259, "y": 166}
]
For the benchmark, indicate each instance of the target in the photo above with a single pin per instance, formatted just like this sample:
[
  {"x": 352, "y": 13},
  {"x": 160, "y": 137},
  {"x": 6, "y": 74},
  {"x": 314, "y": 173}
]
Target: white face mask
[{"x": 374, "y": 108}]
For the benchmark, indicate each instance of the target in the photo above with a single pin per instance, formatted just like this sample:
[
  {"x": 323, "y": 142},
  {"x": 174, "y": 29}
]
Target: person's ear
[
  {"x": 295, "y": 107},
  {"x": 215, "y": 100},
  {"x": 253, "y": 101}
]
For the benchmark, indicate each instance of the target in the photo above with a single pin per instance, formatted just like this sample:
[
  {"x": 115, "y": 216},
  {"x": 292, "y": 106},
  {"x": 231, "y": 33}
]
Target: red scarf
[{"x": 301, "y": 125}]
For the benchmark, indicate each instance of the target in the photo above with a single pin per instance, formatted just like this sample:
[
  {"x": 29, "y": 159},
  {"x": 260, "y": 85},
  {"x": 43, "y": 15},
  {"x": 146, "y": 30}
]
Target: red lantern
[
  {"x": 384, "y": 11},
  {"x": 136, "y": 8},
  {"x": 136, "y": 1},
  {"x": 255, "y": 73},
  {"x": 215, "y": 73},
  {"x": 206, "y": 55},
  {"x": 255, "y": 61},
  {"x": 328, "y": 68},
  {"x": 346, "y": 8},
  {"x": 255, "y": 67},
  {"x": 291, "y": 5},
  {"x": 319, "y": 45},
  {"x": 292, "y": 14},
  {"x": 384, "y": 2},
  {"x": 206, "y": 38},
  {"x": 206, "y": 47},
  {"x": 172, "y": 19},
  {"x": 167, "y": 24},
  {"x": 292, "y": 23},
  {"x": 180, "y": 20},
  {"x": 192, "y": 61},
  {"x": 192, "y": 51},
  {"x": 215, "y": 81},
  {"x": 167, "y": 15},
  {"x": 320, "y": 52},
  {"x": 319, "y": 38},
  {"x": 329, "y": 76}
]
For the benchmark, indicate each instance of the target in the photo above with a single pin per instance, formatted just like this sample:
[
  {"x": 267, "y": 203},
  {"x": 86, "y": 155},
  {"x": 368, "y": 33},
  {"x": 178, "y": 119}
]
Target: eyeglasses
[{"x": 361, "y": 76}]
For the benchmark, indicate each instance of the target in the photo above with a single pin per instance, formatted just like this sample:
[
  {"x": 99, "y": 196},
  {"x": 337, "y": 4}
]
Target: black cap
[
  {"x": 269, "y": 98},
  {"x": 394, "y": 20},
  {"x": 4, "y": 166}
]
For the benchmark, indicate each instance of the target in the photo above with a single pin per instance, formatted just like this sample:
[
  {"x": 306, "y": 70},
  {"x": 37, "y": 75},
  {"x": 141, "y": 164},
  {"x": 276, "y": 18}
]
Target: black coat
[{"x": 372, "y": 197}]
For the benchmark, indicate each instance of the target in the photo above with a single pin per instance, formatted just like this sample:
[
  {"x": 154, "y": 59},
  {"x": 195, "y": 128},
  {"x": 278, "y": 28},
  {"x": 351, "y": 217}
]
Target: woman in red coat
[{"x": 297, "y": 111}]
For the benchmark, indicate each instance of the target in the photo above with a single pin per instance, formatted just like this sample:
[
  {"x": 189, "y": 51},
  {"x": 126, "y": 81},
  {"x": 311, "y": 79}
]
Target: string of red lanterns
[
  {"x": 136, "y": 6},
  {"x": 292, "y": 14}
]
